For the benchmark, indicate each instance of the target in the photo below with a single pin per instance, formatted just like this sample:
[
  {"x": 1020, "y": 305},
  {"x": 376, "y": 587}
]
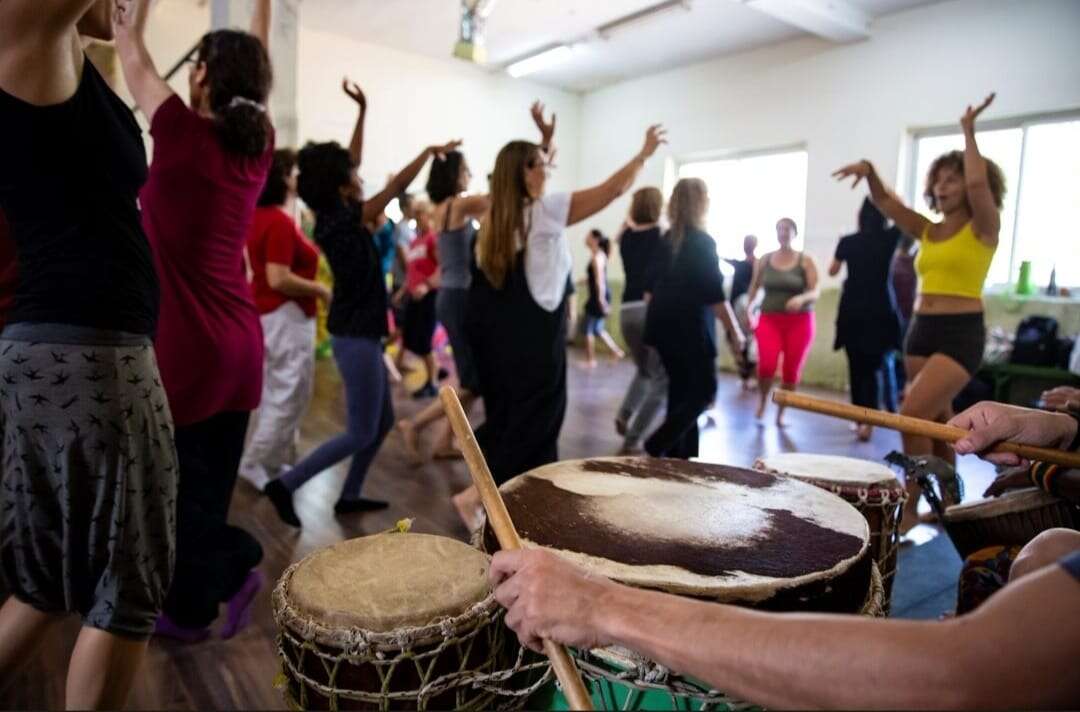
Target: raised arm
[
  {"x": 400, "y": 182},
  {"x": 887, "y": 201},
  {"x": 144, "y": 82},
  {"x": 260, "y": 22},
  {"x": 356, "y": 143},
  {"x": 985, "y": 217},
  {"x": 472, "y": 206},
  {"x": 547, "y": 128},
  {"x": 586, "y": 203}
]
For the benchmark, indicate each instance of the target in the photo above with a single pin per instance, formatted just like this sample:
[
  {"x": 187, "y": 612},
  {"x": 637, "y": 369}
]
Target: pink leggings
[{"x": 790, "y": 334}]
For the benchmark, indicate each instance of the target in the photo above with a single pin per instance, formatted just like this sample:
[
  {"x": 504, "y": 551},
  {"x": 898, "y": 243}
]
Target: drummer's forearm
[{"x": 793, "y": 660}]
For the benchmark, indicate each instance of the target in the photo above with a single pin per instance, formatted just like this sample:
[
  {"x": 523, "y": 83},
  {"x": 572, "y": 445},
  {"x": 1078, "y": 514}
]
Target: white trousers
[{"x": 288, "y": 381}]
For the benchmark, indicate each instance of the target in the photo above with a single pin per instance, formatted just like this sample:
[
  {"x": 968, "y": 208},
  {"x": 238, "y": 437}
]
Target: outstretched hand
[
  {"x": 655, "y": 136},
  {"x": 858, "y": 171},
  {"x": 967, "y": 121},
  {"x": 354, "y": 92},
  {"x": 547, "y": 129},
  {"x": 440, "y": 151},
  {"x": 129, "y": 18}
]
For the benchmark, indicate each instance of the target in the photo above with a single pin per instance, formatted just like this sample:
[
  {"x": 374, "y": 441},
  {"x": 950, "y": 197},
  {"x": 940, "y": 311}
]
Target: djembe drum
[
  {"x": 1013, "y": 519},
  {"x": 708, "y": 531},
  {"x": 398, "y": 621},
  {"x": 870, "y": 487}
]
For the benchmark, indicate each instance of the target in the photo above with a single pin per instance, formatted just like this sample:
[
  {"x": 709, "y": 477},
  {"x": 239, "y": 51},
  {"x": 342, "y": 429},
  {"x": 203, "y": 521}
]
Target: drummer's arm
[{"x": 802, "y": 660}]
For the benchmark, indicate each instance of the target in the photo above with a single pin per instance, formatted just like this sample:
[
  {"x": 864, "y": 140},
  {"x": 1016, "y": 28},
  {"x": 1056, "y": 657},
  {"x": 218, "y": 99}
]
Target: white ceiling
[{"x": 710, "y": 28}]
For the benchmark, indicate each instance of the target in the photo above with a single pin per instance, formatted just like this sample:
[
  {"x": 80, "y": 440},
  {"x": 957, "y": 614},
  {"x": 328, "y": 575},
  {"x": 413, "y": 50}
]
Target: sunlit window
[
  {"x": 1041, "y": 162},
  {"x": 749, "y": 193}
]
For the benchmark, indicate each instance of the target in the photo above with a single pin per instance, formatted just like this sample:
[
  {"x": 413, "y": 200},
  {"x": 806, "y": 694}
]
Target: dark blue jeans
[{"x": 370, "y": 417}]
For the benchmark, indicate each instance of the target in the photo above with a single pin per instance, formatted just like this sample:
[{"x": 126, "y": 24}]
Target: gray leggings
[{"x": 649, "y": 387}]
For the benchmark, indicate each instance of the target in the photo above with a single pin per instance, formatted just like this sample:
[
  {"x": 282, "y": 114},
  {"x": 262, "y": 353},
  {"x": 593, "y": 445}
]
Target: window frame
[{"x": 1023, "y": 122}]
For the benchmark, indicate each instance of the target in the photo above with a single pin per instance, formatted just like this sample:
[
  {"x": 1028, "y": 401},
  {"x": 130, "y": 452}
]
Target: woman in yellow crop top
[{"x": 945, "y": 341}]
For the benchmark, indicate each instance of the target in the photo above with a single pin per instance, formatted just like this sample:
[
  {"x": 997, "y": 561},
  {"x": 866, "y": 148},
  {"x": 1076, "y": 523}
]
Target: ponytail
[{"x": 239, "y": 77}]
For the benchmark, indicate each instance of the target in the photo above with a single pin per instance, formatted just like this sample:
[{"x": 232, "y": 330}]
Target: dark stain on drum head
[
  {"x": 679, "y": 471},
  {"x": 556, "y": 518}
]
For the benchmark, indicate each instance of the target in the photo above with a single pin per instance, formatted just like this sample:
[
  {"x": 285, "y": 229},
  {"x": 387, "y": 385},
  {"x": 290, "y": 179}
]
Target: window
[
  {"x": 748, "y": 193},
  {"x": 1041, "y": 162}
]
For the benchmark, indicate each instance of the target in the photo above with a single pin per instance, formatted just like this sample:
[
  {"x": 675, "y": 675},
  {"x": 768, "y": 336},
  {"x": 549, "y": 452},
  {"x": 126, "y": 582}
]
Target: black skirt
[{"x": 520, "y": 353}]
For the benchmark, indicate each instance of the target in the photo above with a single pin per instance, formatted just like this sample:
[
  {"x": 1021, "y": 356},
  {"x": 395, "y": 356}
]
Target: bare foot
[
  {"x": 619, "y": 355},
  {"x": 588, "y": 364},
  {"x": 780, "y": 423},
  {"x": 410, "y": 441},
  {"x": 467, "y": 504},
  {"x": 864, "y": 432},
  {"x": 760, "y": 410}
]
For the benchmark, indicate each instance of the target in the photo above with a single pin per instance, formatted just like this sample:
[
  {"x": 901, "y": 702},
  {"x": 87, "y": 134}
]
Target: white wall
[
  {"x": 848, "y": 102},
  {"x": 415, "y": 101}
]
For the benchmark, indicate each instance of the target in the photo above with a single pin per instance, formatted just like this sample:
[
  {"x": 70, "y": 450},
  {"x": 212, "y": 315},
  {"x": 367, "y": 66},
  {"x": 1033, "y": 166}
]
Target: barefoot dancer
[
  {"x": 599, "y": 303},
  {"x": 945, "y": 341}
]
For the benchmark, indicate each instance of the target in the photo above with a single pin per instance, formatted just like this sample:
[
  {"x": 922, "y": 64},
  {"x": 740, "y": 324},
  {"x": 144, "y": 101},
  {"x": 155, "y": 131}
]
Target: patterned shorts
[{"x": 88, "y": 488}]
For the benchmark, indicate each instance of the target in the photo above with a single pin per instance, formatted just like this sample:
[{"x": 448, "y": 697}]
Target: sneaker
[
  {"x": 281, "y": 498},
  {"x": 350, "y": 506},
  {"x": 238, "y": 613},
  {"x": 166, "y": 628}
]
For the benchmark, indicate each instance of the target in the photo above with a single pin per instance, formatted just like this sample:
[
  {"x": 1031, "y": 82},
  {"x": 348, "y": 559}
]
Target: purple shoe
[
  {"x": 166, "y": 628},
  {"x": 239, "y": 612}
]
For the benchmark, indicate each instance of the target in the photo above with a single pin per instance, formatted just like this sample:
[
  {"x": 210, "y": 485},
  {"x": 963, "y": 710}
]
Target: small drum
[
  {"x": 870, "y": 487},
  {"x": 398, "y": 621},
  {"x": 1013, "y": 519},
  {"x": 708, "y": 531}
]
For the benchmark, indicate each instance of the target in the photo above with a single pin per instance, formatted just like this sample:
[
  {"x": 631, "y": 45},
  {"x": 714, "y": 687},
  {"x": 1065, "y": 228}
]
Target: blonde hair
[
  {"x": 646, "y": 206},
  {"x": 496, "y": 244},
  {"x": 686, "y": 210}
]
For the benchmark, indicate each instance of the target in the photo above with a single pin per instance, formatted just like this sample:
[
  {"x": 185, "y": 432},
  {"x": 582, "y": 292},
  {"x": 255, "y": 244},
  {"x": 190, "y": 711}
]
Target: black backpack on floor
[{"x": 1036, "y": 342}]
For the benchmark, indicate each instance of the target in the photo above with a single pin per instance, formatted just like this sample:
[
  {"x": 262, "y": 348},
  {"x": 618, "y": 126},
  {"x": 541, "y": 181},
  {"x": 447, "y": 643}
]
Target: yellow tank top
[{"x": 956, "y": 266}]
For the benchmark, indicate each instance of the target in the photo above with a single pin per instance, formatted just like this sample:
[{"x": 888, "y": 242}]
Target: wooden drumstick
[
  {"x": 508, "y": 537},
  {"x": 917, "y": 426}
]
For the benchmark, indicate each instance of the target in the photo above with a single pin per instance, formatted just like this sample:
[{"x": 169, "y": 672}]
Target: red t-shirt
[
  {"x": 422, "y": 260},
  {"x": 197, "y": 209},
  {"x": 275, "y": 238},
  {"x": 8, "y": 274}
]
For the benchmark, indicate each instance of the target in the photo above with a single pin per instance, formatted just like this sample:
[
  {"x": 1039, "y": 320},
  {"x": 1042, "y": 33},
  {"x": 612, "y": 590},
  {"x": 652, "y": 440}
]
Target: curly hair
[
  {"x": 276, "y": 189},
  {"x": 325, "y": 168},
  {"x": 444, "y": 177},
  {"x": 239, "y": 77},
  {"x": 955, "y": 160}
]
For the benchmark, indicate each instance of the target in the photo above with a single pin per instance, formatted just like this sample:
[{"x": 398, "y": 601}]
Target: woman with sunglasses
[{"x": 517, "y": 316}]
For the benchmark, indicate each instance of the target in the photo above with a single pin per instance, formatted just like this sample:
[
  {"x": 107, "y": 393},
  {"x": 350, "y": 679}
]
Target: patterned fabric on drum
[
  {"x": 89, "y": 478},
  {"x": 985, "y": 572}
]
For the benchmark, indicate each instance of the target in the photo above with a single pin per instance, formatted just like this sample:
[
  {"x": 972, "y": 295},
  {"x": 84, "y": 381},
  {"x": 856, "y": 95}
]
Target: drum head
[
  {"x": 1009, "y": 503},
  {"x": 389, "y": 581},
  {"x": 833, "y": 469},
  {"x": 707, "y": 530}
]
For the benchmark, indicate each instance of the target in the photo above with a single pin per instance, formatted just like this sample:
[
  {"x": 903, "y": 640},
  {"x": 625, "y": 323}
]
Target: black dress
[
  {"x": 679, "y": 325},
  {"x": 868, "y": 320},
  {"x": 520, "y": 353},
  {"x": 593, "y": 308}
]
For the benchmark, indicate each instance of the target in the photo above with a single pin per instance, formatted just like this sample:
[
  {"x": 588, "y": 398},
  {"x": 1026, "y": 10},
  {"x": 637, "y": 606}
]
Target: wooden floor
[{"x": 238, "y": 674}]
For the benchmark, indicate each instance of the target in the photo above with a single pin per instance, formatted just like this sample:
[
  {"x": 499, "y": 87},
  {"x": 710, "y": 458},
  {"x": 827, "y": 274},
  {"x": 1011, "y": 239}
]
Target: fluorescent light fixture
[
  {"x": 539, "y": 61},
  {"x": 606, "y": 30}
]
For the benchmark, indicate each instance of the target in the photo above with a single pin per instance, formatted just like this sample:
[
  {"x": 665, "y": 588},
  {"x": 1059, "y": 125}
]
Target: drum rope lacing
[{"x": 481, "y": 687}]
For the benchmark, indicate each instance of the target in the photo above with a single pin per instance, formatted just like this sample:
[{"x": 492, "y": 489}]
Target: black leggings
[
  {"x": 691, "y": 388},
  {"x": 867, "y": 377},
  {"x": 212, "y": 557}
]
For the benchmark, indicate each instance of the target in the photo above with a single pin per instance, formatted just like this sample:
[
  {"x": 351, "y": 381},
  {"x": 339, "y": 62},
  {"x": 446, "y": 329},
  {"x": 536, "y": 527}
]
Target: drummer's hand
[
  {"x": 1014, "y": 478},
  {"x": 547, "y": 597},
  {"x": 1061, "y": 398},
  {"x": 991, "y": 423}
]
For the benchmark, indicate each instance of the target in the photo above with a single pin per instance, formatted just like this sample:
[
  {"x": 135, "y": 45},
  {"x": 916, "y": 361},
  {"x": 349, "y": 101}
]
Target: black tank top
[{"x": 69, "y": 182}]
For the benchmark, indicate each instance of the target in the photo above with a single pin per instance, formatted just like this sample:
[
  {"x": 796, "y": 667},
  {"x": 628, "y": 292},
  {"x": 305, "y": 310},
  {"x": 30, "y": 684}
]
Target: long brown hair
[
  {"x": 496, "y": 243},
  {"x": 686, "y": 209}
]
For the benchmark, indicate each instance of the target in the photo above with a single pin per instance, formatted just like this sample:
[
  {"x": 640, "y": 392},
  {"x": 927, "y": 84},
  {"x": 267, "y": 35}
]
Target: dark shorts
[
  {"x": 594, "y": 325},
  {"x": 419, "y": 324},
  {"x": 89, "y": 475},
  {"x": 961, "y": 337}
]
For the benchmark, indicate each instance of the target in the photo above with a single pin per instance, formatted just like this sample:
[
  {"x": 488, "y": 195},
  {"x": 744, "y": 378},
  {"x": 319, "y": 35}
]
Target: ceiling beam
[{"x": 834, "y": 20}]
